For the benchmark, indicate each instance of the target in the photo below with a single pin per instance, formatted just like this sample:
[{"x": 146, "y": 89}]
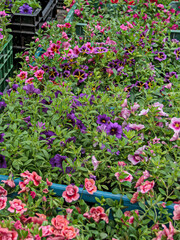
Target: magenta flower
[
  {"x": 147, "y": 186},
  {"x": 175, "y": 124}
]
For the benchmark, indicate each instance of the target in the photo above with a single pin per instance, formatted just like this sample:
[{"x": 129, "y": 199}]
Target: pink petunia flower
[
  {"x": 175, "y": 124},
  {"x": 176, "y": 212},
  {"x": 90, "y": 186},
  {"x": 17, "y": 205},
  {"x": 147, "y": 186},
  {"x": 35, "y": 178},
  {"x": 23, "y": 75},
  {"x": 10, "y": 183},
  {"x": 39, "y": 74},
  {"x": 71, "y": 193},
  {"x": 5, "y": 234},
  {"x": 128, "y": 178},
  {"x": 136, "y": 127},
  {"x": 3, "y": 201}
]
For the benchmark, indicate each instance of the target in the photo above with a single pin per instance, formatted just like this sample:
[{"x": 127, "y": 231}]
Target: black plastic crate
[{"x": 27, "y": 18}]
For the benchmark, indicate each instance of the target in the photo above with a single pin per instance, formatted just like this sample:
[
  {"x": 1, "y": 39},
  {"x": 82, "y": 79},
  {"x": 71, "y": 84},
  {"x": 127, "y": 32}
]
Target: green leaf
[
  {"x": 103, "y": 235},
  {"x": 118, "y": 213},
  {"x": 109, "y": 202}
]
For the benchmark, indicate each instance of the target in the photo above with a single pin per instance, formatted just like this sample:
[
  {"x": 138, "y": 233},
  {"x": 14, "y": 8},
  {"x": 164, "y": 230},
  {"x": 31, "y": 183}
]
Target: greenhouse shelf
[{"x": 59, "y": 189}]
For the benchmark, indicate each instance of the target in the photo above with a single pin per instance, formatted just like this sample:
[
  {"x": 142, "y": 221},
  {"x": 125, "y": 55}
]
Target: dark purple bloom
[
  {"x": 66, "y": 73},
  {"x": 2, "y": 161},
  {"x": 44, "y": 101},
  {"x": 130, "y": 49},
  {"x": 66, "y": 67},
  {"x": 71, "y": 119},
  {"x": 114, "y": 129},
  {"x": 27, "y": 119},
  {"x": 81, "y": 126},
  {"x": 57, "y": 93},
  {"x": 48, "y": 135},
  {"x": 139, "y": 84},
  {"x": 25, "y": 9},
  {"x": 57, "y": 160},
  {"x": 30, "y": 89},
  {"x": 84, "y": 67},
  {"x": 81, "y": 75},
  {"x": 85, "y": 49},
  {"x": 161, "y": 56},
  {"x": 169, "y": 76},
  {"x": 103, "y": 119},
  {"x": 71, "y": 139},
  {"x": 3, "y": 104},
  {"x": 53, "y": 73},
  {"x": 177, "y": 53},
  {"x": 100, "y": 50},
  {"x": 1, "y": 137},
  {"x": 45, "y": 68}
]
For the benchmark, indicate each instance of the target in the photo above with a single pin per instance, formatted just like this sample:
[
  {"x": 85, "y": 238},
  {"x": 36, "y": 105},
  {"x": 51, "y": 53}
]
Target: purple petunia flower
[
  {"x": 53, "y": 73},
  {"x": 71, "y": 119},
  {"x": 25, "y": 9},
  {"x": 66, "y": 73},
  {"x": 66, "y": 67},
  {"x": 45, "y": 68},
  {"x": 161, "y": 56},
  {"x": 100, "y": 50},
  {"x": 1, "y": 137},
  {"x": 48, "y": 135},
  {"x": 57, "y": 93},
  {"x": 80, "y": 125},
  {"x": 3, "y": 104},
  {"x": 103, "y": 119},
  {"x": 41, "y": 125},
  {"x": 81, "y": 75},
  {"x": 177, "y": 53},
  {"x": 30, "y": 89},
  {"x": 57, "y": 161},
  {"x": 114, "y": 129},
  {"x": 85, "y": 49},
  {"x": 2, "y": 161},
  {"x": 44, "y": 101}
]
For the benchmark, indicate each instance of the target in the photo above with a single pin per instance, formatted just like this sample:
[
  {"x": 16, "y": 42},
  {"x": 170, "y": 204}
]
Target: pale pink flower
[
  {"x": 3, "y": 201},
  {"x": 137, "y": 127},
  {"x": 95, "y": 163},
  {"x": 144, "y": 112},
  {"x": 10, "y": 183},
  {"x": 147, "y": 186},
  {"x": 135, "y": 107},
  {"x": 26, "y": 174},
  {"x": 129, "y": 177},
  {"x": 136, "y": 158},
  {"x": 90, "y": 186},
  {"x": 17, "y": 205},
  {"x": 71, "y": 193},
  {"x": 156, "y": 140},
  {"x": 176, "y": 212},
  {"x": 129, "y": 25},
  {"x": 69, "y": 210},
  {"x": 124, "y": 104},
  {"x": 125, "y": 113},
  {"x": 175, "y": 124}
]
